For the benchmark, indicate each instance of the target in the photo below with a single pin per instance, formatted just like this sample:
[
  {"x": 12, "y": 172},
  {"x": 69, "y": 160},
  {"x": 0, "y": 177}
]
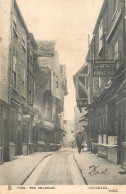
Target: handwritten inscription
[{"x": 96, "y": 171}]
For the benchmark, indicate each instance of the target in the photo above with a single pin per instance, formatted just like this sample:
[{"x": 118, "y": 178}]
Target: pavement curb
[
  {"x": 82, "y": 174},
  {"x": 35, "y": 168}
]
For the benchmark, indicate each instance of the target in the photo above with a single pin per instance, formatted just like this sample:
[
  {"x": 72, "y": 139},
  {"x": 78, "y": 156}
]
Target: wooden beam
[
  {"x": 82, "y": 74},
  {"x": 76, "y": 82},
  {"x": 83, "y": 86}
]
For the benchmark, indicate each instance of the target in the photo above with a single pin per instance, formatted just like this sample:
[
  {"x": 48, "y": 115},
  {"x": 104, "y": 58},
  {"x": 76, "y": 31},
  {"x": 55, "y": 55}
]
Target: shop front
[
  {"x": 105, "y": 128},
  {"x": 122, "y": 125},
  {"x": 4, "y": 132}
]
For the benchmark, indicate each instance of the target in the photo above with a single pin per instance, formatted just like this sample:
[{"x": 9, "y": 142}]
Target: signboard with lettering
[
  {"x": 26, "y": 117},
  {"x": 104, "y": 68},
  {"x": 103, "y": 73}
]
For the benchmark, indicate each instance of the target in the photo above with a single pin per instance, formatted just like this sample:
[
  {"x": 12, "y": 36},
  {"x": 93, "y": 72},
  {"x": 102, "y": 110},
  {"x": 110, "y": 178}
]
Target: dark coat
[{"x": 79, "y": 139}]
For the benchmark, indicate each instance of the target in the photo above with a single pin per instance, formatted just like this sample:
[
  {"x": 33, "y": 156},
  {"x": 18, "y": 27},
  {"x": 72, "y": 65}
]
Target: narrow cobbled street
[{"x": 57, "y": 169}]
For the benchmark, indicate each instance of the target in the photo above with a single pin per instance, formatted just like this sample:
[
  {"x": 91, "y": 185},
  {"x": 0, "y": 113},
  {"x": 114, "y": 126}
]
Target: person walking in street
[{"x": 79, "y": 140}]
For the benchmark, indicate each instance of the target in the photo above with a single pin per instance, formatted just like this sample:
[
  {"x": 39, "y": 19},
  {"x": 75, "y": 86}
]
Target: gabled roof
[
  {"x": 20, "y": 16},
  {"x": 83, "y": 69}
]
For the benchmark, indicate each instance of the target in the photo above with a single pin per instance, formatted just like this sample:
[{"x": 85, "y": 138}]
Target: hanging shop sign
[
  {"x": 103, "y": 73},
  {"x": 26, "y": 117},
  {"x": 104, "y": 68}
]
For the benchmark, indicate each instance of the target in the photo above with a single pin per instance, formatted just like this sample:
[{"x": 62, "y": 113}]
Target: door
[
  {"x": 6, "y": 141},
  {"x": 19, "y": 139}
]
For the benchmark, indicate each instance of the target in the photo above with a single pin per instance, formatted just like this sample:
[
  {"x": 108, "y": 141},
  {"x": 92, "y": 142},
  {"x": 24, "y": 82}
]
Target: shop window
[
  {"x": 112, "y": 125},
  {"x": 102, "y": 122},
  {"x": 14, "y": 71},
  {"x": 96, "y": 123},
  {"x": 99, "y": 138}
]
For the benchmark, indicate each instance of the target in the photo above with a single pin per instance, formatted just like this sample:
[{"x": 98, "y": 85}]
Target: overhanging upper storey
[
  {"x": 81, "y": 86},
  {"x": 45, "y": 49}
]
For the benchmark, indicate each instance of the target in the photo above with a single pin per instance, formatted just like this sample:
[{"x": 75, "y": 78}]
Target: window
[
  {"x": 63, "y": 84},
  {"x": 100, "y": 35},
  {"x": 116, "y": 53},
  {"x": 56, "y": 81},
  {"x": 14, "y": 71},
  {"x": 30, "y": 96},
  {"x": 116, "y": 50},
  {"x": 23, "y": 81},
  {"x": 102, "y": 122},
  {"x": 48, "y": 110},
  {"x": 99, "y": 81},
  {"x": 24, "y": 40}
]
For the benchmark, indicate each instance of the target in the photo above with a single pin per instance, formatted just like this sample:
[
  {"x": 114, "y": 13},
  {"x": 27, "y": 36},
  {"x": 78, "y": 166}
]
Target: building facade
[
  {"x": 69, "y": 138},
  {"x": 80, "y": 121},
  {"x": 32, "y": 88},
  {"x": 16, "y": 113},
  {"x": 50, "y": 89},
  {"x": 106, "y": 83}
]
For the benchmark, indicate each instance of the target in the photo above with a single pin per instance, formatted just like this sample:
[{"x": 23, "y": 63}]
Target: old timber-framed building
[
  {"x": 21, "y": 110},
  {"x": 107, "y": 83}
]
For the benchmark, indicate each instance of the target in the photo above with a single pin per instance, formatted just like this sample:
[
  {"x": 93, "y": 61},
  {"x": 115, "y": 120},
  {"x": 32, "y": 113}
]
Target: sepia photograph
[{"x": 62, "y": 96}]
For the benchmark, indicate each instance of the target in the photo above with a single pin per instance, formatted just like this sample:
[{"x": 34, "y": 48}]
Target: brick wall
[{"x": 19, "y": 92}]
